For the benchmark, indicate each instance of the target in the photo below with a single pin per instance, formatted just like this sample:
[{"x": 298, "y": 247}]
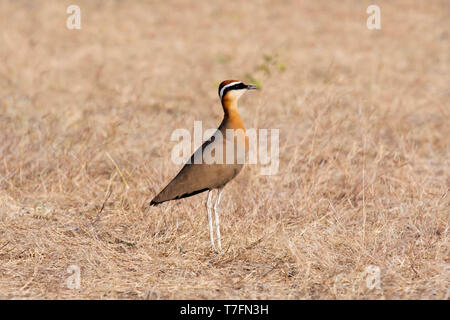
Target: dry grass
[{"x": 364, "y": 141}]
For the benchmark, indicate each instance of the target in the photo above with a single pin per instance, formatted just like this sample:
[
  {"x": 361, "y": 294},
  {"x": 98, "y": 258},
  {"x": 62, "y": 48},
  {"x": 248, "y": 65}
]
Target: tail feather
[{"x": 157, "y": 201}]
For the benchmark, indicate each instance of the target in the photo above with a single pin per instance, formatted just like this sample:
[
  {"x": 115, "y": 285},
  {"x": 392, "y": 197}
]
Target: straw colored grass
[{"x": 85, "y": 123}]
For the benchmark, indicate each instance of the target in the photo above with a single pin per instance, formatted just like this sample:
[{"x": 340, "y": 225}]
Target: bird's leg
[
  {"x": 208, "y": 210},
  {"x": 216, "y": 217}
]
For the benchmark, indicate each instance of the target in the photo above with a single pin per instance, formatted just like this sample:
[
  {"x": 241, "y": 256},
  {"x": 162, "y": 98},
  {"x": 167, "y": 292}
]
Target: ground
[{"x": 359, "y": 208}]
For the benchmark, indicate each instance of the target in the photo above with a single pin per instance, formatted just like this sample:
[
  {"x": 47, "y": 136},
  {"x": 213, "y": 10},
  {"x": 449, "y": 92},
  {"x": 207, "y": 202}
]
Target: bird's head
[{"x": 232, "y": 90}]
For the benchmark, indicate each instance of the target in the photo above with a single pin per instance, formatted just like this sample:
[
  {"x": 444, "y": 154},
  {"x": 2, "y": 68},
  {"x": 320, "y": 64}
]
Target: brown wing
[{"x": 196, "y": 178}]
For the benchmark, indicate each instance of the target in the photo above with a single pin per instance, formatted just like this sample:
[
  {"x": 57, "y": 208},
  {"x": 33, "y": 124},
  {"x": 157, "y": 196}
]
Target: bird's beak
[{"x": 252, "y": 87}]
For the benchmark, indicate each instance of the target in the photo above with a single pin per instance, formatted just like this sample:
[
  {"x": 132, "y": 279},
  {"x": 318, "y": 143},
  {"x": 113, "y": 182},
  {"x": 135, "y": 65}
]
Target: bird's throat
[{"x": 232, "y": 118}]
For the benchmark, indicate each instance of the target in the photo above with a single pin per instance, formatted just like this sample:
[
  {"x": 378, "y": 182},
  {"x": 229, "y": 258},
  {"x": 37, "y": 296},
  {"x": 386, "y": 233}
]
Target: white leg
[
  {"x": 216, "y": 217},
  {"x": 208, "y": 210}
]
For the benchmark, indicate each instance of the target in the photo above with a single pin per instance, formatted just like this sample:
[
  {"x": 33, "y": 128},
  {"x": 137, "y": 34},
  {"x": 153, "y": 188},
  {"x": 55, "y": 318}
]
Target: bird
[{"x": 195, "y": 178}]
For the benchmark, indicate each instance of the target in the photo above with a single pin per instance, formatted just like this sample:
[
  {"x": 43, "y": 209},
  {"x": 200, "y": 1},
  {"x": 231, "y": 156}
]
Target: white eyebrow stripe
[{"x": 228, "y": 85}]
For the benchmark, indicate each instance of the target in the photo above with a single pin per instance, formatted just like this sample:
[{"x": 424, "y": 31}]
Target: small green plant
[
  {"x": 223, "y": 59},
  {"x": 270, "y": 64}
]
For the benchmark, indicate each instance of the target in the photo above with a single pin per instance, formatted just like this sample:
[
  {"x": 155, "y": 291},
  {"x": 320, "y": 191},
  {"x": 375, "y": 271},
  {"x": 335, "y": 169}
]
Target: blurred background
[{"x": 85, "y": 123}]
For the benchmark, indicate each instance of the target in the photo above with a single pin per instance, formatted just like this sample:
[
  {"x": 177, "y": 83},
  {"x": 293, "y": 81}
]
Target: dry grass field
[{"x": 363, "y": 183}]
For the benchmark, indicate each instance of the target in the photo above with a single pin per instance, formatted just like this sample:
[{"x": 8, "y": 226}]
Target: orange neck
[
  {"x": 232, "y": 117},
  {"x": 232, "y": 120}
]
